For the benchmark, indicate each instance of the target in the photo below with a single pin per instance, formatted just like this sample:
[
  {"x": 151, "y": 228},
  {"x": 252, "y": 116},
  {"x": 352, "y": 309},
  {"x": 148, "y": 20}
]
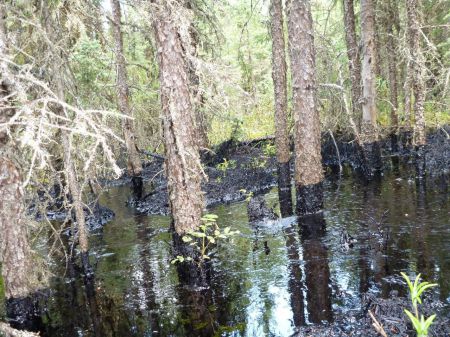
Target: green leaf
[
  {"x": 198, "y": 234},
  {"x": 429, "y": 321},
  {"x": 226, "y": 230},
  {"x": 186, "y": 238},
  {"x": 414, "y": 320},
  {"x": 211, "y": 239}
]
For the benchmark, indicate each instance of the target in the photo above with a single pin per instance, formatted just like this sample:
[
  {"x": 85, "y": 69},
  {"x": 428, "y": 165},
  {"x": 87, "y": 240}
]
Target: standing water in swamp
[{"x": 273, "y": 279}]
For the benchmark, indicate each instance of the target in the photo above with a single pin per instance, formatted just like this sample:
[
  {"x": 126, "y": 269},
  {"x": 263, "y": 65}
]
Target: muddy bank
[
  {"x": 47, "y": 209},
  {"x": 236, "y": 169},
  {"x": 245, "y": 170},
  {"x": 388, "y": 312}
]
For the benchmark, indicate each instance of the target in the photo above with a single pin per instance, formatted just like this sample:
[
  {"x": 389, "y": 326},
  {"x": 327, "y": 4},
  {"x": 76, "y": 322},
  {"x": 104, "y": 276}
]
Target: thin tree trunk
[
  {"x": 392, "y": 69},
  {"x": 354, "y": 62},
  {"x": 200, "y": 121},
  {"x": 183, "y": 168},
  {"x": 417, "y": 68},
  {"x": 18, "y": 271},
  {"x": 377, "y": 39},
  {"x": 308, "y": 159},
  {"x": 369, "y": 132},
  {"x": 71, "y": 178},
  {"x": 281, "y": 120},
  {"x": 134, "y": 164}
]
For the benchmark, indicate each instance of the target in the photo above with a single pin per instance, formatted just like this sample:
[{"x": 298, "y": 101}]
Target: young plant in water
[
  {"x": 202, "y": 240},
  {"x": 416, "y": 289}
]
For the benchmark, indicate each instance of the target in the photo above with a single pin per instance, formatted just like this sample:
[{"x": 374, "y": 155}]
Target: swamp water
[{"x": 267, "y": 280}]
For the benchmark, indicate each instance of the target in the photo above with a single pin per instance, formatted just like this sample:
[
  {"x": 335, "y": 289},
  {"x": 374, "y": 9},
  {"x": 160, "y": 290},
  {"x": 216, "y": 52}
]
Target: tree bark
[
  {"x": 354, "y": 62},
  {"x": 391, "y": 44},
  {"x": 369, "y": 132},
  {"x": 182, "y": 164},
  {"x": 308, "y": 159},
  {"x": 18, "y": 270},
  {"x": 281, "y": 120},
  {"x": 134, "y": 164}
]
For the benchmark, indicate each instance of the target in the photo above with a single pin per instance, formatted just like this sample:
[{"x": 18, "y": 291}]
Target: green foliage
[
  {"x": 257, "y": 163},
  {"x": 248, "y": 194},
  {"x": 269, "y": 150},
  {"x": 416, "y": 289},
  {"x": 421, "y": 325},
  {"x": 203, "y": 239},
  {"x": 226, "y": 164}
]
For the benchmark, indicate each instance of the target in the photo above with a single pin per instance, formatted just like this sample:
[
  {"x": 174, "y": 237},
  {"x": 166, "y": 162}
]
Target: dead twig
[{"x": 377, "y": 325}]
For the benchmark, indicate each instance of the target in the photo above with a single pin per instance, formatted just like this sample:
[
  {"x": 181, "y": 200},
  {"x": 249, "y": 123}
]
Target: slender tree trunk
[
  {"x": 134, "y": 165},
  {"x": 354, "y": 62},
  {"x": 71, "y": 179},
  {"x": 369, "y": 132},
  {"x": 200, "y": 122},
  {"x": 281, "y": 120},
  {"x": 391, "y": 44},
  {"x": 417, "y": 68},
  {"x": 377, "y": 38},
  {"x": 308, "y": 159},
  {"x": 183, "y": 168},
  {"x": 18, "y": 271}
]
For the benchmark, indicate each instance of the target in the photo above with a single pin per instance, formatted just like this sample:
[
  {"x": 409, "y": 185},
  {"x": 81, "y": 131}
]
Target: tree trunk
[
  {"x": 73, "y": 185},
  {"x": 417, "y": 68},
  {"x": 281, "y": 120},
  {"x": 308, "y": 159},
  {"x": 18, "y": 270},
  {"x": 369, "y": 132},
  {"x": 182, "y": 164},
  {"x": 354, "y": 62},
  {"x": 134, "y": 164},
  {"x": 200, "y": 121},
  {"x": 391, "y": 44}
]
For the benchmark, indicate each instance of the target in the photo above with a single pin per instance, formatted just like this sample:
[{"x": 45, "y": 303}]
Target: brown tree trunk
[
  {"x": 281, "y": 120},
  {"x": 18, "y": 271},
  {"x": 134, "y": 164},
  {"x": 308, "y": 159},
  {"x": 417, "y": 68},
  {"x": 183, "y": 168},
  {"x": 369, "y": 132},
  {"x": 391, "y": 43},
  {"x": 354, "y": 62}
]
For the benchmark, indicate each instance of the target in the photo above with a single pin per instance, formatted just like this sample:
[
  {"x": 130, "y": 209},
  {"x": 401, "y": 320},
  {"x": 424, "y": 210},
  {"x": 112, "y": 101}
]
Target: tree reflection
[{"x": 317, "y": 270}]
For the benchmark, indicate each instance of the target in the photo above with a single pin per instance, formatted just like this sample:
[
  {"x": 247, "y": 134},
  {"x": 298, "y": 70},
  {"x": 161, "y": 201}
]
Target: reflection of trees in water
[
  {"x": 144, "y": 290},
  {"x": 317, "y": 269},
  {"x": 295, "y": 277},
  {"x": 82, "y": 305}
]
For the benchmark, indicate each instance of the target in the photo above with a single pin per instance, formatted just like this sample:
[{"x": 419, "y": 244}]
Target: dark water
[{"x": 266, "y": 281}]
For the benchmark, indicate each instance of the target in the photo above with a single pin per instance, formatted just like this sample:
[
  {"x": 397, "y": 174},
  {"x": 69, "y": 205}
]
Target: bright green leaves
[
  {"x": 202, "y": 240},
  {"x": 416, "y": 289},
  {"x": 421, "y": 325}
]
